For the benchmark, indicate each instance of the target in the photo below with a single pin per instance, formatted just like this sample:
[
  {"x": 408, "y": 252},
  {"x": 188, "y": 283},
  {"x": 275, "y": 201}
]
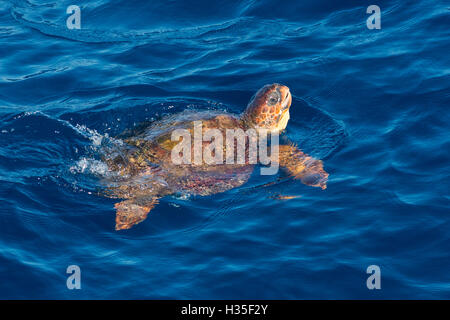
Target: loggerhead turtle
[{"x": 145, "y": 171}]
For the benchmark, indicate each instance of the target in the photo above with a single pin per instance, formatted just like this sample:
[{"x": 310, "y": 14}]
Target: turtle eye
[{"x": 273, "y": 98}]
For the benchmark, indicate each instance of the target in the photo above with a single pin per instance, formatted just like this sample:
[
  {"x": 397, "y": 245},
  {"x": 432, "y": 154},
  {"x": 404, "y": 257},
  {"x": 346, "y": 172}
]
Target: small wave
[{"x": 114, "y": 36}]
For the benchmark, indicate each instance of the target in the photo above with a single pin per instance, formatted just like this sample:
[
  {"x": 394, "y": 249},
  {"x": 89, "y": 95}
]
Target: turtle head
[{"x": 269, "y": 108}]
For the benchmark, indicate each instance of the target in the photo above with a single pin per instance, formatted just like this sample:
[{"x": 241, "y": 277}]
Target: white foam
[
  {"x": 92, "y": 134},
  {"x": 89, "y": 165}
]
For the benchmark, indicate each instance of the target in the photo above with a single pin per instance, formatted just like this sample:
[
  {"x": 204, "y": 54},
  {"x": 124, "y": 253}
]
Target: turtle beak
[
  {"x": 284, "y": 110},
  {"x": 286, "y": 104}
]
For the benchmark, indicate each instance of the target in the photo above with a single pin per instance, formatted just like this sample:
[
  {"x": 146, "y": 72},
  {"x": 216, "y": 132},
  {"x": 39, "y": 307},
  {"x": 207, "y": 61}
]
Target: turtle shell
[{"x": 150, "y": 146}]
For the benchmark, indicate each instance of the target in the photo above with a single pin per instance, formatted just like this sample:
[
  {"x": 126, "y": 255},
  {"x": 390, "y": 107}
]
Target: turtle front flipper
[
  {"x": 133, "y": 211},
  {"x": 302, "y": 166}
]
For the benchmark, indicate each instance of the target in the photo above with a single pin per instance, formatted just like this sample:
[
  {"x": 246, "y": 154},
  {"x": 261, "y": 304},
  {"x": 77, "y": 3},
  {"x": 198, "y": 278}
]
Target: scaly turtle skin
[{"x": 146, "y": 172}]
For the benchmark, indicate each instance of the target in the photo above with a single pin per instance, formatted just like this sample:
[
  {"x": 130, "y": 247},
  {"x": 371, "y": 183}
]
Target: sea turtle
[{"x": 145, "y": 170}]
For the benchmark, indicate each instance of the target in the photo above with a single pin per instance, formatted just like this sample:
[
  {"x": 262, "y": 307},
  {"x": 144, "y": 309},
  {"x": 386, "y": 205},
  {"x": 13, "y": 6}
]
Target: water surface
[{"x": 373, "y": 104}]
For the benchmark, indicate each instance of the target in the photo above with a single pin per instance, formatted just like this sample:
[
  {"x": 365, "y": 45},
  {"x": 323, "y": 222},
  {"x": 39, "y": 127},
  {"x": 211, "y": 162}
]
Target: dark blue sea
[{"x": 373, "y": 104}]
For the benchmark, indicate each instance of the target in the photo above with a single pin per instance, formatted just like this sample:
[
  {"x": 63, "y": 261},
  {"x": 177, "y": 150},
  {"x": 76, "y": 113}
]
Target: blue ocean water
[{"x": 372, "y": 104}]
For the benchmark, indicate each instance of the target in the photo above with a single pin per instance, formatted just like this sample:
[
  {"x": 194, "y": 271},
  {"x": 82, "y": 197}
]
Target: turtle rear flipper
[{"x": 133, "y": 211}]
